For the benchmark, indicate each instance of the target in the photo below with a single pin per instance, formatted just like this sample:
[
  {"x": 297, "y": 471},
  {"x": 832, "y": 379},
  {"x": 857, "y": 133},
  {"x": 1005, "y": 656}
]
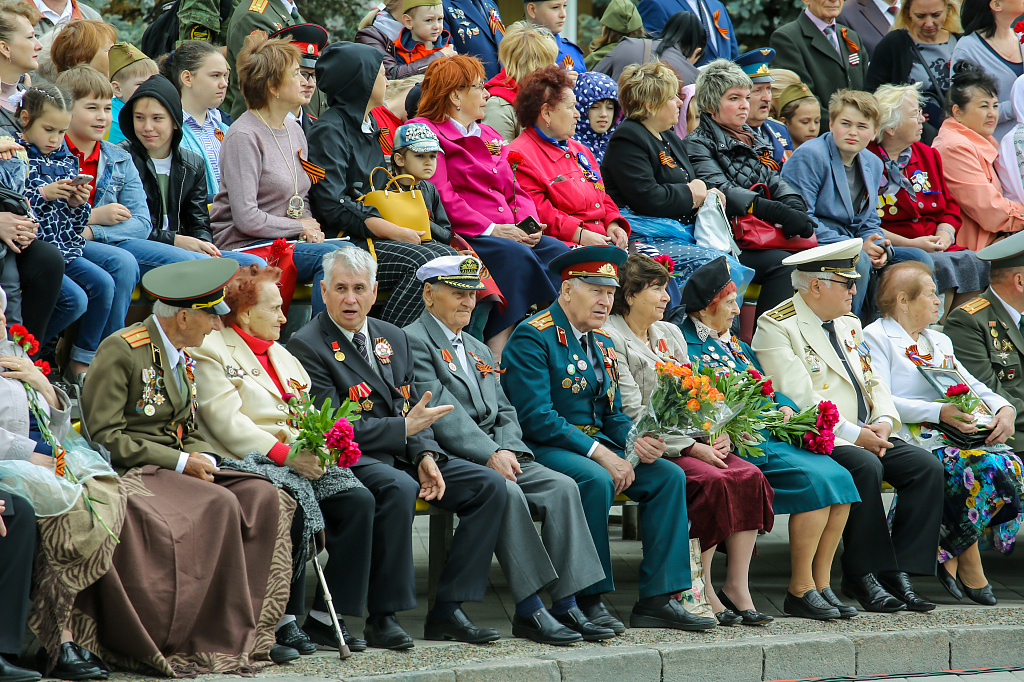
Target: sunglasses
[{"x": 847, "y": 283}]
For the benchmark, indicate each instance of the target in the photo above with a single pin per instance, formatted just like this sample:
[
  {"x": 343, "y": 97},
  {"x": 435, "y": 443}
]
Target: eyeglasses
[
  {"x": 476, "y": 86},
  {"x": 308, "y": 77},
  {"x": 847, "y": 283}
]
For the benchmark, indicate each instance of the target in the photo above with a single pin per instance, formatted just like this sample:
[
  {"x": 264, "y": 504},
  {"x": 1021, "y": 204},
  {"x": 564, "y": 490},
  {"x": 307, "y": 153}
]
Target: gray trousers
[{"x": 562, "y": 558}]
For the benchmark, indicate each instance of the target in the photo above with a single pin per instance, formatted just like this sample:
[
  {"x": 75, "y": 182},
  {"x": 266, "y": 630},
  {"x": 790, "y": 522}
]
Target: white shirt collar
[
  {"x": 883, "y": 7},
  {"x": 819, "y": 22},
  {"x": 452, "y": 336},
  {"x": 174, "y": 355},
  {"x": 367, "y": 126},
  {"x": 289, "y": 7},
  {"x": 349, "y": 335},
  {"x": 472, "y": 131},
  {"x": 1014, "y": 314},
  {"x": 65, "y": 14}
]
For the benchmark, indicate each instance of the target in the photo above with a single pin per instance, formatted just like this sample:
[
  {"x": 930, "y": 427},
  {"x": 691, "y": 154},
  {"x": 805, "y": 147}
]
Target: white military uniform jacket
[
  {"x": 794, "y": 349},
  {"x": 238, "y": 402}
]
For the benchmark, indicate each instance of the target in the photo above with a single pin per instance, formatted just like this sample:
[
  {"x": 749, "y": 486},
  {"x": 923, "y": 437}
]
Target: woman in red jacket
[
  {"x": 914, "y": 203},
  {"x": 561, "y": 175}
]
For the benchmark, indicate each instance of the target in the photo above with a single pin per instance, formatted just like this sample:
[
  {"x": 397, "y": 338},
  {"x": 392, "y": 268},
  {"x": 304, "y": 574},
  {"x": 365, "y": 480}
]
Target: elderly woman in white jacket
[
  {"x": 984, "y": 484},
  {"x": 244, "y": 379}
]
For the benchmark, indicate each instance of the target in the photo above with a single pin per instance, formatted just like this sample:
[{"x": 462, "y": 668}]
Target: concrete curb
[{"x": 754, "y": 659}]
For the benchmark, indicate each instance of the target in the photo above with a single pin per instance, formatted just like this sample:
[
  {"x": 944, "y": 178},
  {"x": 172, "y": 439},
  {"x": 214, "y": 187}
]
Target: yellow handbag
[{"x": 403, "y": 208}]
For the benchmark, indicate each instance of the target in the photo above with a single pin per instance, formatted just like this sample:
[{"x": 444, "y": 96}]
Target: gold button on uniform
[{"x": 825, "y": 387}]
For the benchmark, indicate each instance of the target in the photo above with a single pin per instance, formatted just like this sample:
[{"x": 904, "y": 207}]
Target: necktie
[
  {"x": 295, "y": 15},
  {"x": 359, "y": 339},
  {"x": 862, "y": 404},
  {"x": 585, "y": 342},
  {"x": 830, "y": 33},
  {"x": 460, "y": 353},
  {"x": 893, "y": 10},
  {"x": 179, "y": 376}
]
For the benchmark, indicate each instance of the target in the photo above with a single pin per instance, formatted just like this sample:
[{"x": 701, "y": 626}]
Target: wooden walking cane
[{"x": 343, "y": 650}]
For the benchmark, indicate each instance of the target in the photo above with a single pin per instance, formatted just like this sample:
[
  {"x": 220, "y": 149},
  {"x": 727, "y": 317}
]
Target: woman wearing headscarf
[{"x": 597, "y": 100}]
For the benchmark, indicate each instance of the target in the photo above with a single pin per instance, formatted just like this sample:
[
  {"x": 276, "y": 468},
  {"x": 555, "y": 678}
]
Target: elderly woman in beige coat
[{"x": 244, "y": 379}]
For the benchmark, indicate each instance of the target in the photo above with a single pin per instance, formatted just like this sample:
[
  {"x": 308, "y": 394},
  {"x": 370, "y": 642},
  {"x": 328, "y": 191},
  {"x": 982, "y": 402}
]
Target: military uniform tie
[{"x": 862, "y": 403}]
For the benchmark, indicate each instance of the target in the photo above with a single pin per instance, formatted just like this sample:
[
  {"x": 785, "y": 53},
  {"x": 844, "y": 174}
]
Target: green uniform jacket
[
  {"x": 990, "y": 346},
  {"x": 115, "y": 401},
  {"x": 544, "y": 363},
  {"x": 248, "y": 16},
  {"x": 597, "y": 55}
]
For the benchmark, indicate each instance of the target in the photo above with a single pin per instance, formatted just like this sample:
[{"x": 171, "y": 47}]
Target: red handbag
[{"x": 754, "y": 234}]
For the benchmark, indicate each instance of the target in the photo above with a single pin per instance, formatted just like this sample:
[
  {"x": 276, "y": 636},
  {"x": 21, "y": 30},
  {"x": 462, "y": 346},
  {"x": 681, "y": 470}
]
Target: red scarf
[{"x": 259, "y": 348}]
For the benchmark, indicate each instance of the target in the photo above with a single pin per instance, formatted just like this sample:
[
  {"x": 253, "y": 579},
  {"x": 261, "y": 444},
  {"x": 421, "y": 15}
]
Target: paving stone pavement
[{"x": 957, "y": 635}]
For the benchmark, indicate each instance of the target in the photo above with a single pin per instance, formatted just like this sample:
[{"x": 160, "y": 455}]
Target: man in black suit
[
  {"x": 368, "y": 361},
  {"x": 17, "y": 548},
  {"x": 867, "y": 18}
]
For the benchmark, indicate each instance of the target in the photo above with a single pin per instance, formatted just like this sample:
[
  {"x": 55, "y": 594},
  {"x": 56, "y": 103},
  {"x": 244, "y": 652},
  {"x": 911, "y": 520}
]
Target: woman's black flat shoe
[
  {"x": 981, "y": 596},
  {"x": 749, "y": 616},
  {"x": 728, "y": 617},
  {"x": 949, "y": 582}
]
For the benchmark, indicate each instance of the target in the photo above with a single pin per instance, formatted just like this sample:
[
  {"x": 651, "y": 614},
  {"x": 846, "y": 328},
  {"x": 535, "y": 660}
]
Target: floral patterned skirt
[{"x": 982, "y": 501}]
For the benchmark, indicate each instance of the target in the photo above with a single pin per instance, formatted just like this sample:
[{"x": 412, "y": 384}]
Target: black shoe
[
  {"x": 384, "y": 632},
  {"x": 812, "y": 605},
  {"x": 599, "y": 615},
  {"x": 983, "y": 596},
  {"x": 671, "y": 615},
  {"x": 575, "y": 619},
  {"x": 291, "y": 635},
  {"x": 280, "y": 653},
  {"x": 12, "y": 673},
  {"x": 949, "y": 582},
  {"x": 871, "y": 596},
  {"x": 728, "y": 618},
  {"x": 92, "y": 659},
  {"x": 749, "y": 616},
  {"x": 845, "y": 610},
  {"x": 542, "y": 628},
  {"x": 457, "y": 626},
  {"x": 323, "y": 635},
  {"x": 71, "y": 666},
  {"x": 898, "y": 584}
]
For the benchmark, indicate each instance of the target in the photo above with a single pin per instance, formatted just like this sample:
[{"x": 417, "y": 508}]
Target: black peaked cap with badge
[
  {"x": 592, "y": 264},
  {"x": 311, "y": 39},
  {"x": 197, "y": 284}
]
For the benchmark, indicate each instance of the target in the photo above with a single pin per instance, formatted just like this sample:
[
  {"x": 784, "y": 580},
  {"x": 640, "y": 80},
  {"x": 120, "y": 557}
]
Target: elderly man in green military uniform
[
  {"x": 574, "y": 423},
  {"x": 987, "y": 330},
  {"x": 139, "y": 402}
]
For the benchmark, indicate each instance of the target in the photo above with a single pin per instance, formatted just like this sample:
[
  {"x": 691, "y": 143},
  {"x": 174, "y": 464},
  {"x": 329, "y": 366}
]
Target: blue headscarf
[{"x": 591, "y": 87}]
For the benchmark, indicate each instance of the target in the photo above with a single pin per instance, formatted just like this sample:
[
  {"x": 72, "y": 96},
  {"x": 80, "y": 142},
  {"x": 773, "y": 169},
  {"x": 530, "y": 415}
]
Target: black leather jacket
[
  {"x": 725, "y": 163},
  {"x": 186, "y": 195}
]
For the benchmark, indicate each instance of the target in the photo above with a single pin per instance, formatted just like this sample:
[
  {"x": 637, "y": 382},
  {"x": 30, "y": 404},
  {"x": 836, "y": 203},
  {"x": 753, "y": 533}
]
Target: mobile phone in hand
[
  {"x": 82, "y": 179},
  {"x": 529, "y": 225}
]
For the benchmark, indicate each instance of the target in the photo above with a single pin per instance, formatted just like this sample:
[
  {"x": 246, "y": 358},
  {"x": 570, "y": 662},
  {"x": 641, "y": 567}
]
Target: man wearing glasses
[
  {"x": 311, "y": 40},
  {"x": 833, "y": 363}
]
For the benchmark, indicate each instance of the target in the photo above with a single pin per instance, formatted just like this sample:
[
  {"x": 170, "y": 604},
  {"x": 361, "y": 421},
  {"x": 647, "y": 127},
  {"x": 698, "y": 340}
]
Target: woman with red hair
[{"x": 478, "y": 187}]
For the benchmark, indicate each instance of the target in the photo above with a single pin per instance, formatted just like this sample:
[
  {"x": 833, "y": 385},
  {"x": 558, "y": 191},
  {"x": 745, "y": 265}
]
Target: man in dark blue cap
[
  {"x": 755, "y": 64},
  {"x": 311, "y": 39},
  {"x": 574, "y": 424}
]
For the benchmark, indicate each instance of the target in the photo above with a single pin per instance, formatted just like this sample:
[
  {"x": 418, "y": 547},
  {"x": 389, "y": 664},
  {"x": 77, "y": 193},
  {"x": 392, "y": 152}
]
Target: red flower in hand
[
  {"x": 350, "y": 456},
  {"x": 766, "y": 388},
  {"x": 828, "y": 416},
  {"x": 43, "y": 366},
  {"x": 515, "y": 158},
  {"x": 754, "y": 373},
  {"x": 33, "y": 345},
  {"x": 666, "y": 262},
  {"x": 957, "y": 389},
  {"x": 18, "y": 332}
]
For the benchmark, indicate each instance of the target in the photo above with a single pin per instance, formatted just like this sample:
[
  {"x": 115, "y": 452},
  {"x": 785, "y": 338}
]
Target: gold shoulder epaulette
[
  {"x": 136, "y": 337},
  {"x": 602, "y": 332},
  {"x": 541, "y": 322},
  {"x": 258, "y": 6},
  {"x": 783, "y": 312},
  {"x": 851, "y": 315},
  {"x": 975, "y": 304}
]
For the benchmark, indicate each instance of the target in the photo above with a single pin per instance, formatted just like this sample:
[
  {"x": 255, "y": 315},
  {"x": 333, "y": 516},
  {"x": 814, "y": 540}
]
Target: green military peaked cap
[
  {"x": 197, "y": 284},
  {"x": 1005, "y": 253}
]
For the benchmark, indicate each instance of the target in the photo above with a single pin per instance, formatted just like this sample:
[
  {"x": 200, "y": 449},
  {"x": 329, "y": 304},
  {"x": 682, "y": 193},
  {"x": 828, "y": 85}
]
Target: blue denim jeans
[
  {"x": 97, "y": 290},
  {"x": 151, "y": 254},
  {"x": 902, "y": 253}
]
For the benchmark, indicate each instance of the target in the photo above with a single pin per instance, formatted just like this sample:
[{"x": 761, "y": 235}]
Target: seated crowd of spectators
[{"x": 503, "y": 237}]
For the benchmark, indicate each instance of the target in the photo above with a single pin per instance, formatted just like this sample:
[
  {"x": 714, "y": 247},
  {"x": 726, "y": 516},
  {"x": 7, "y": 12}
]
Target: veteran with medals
[
  {"x": 459, "y": 370},
  {"x": 201, "y": 572},
  {"x": 833, "y": 363},
  {"x": 987, "y": 331},
  {"x": 562, "y": 377},
  {"x": 369, "y": 362}
]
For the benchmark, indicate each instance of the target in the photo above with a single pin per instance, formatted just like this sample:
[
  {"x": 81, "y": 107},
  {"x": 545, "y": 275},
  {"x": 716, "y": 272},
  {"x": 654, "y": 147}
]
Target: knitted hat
[
  {"x": 123, "y": 54},
  {"x": 622, "y": 16}
]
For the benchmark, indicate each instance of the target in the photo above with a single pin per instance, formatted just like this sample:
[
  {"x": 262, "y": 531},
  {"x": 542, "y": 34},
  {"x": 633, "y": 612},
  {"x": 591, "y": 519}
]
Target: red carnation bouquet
[
  {"x": 810, "y": 428},
  {"x": 515, "y": 159},
  {"x": 325, "y": 432},
  {"x": 963, "y": 397}
]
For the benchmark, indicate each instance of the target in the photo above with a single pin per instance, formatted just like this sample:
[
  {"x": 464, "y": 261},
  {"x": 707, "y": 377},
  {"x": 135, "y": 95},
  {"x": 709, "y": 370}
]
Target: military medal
[
  {"x": 571, "y": 370},
  {"x": 338, "y": 355},
  {"x": 404, "y": 390},
  {"x": 561, "y": 336},
  {"x": 382, "y": 349},
  {"x": 149, "y": 410},
  {"x": 662, "y": 346},
  {"x": 447, "y": 357},
  {"x": 367, "y": 405},
  {"x": 566, "y": 383},
  {"x": 582, "y": 364},
  {"x": 583, "y": 382},
  {"x": 355, "y": 393}
]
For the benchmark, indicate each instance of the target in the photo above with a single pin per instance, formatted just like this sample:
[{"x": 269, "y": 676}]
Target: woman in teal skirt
[{"x": 813, "y": 489}]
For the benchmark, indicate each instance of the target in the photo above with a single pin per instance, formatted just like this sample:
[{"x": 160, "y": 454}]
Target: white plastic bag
[{"x": 711, "y": 229}]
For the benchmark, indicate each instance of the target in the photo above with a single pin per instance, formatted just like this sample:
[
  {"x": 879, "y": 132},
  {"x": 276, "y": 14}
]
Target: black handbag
[
  {"x": 964, "y": 441},
  {"x": 12, "y": 202}
]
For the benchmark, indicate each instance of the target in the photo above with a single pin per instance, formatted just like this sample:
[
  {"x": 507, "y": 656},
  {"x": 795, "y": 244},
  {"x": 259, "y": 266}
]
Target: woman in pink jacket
[
  {"x": 481, "y": 197},
  {"x": 561, "y": 175},
  {"x": 968, "y": 153}
]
